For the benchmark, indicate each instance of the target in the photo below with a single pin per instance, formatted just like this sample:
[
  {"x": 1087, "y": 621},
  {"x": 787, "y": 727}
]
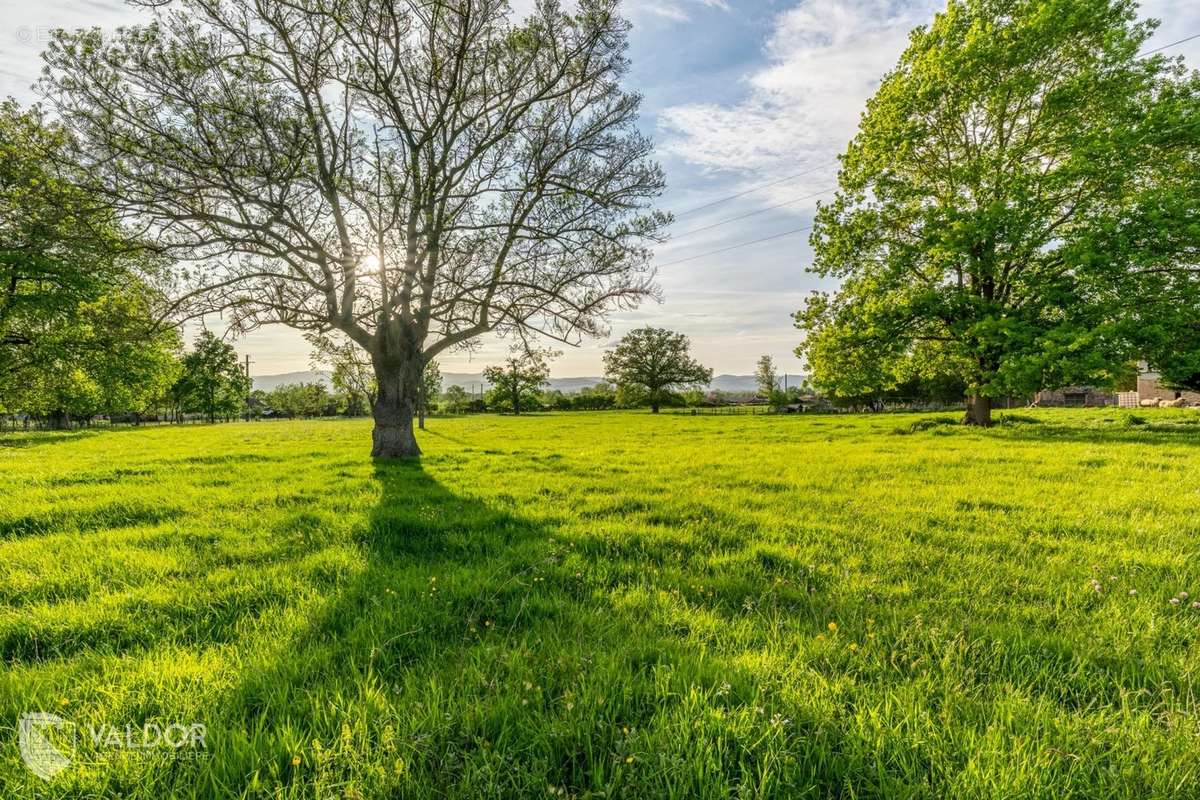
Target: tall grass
[{"x": 612, "y": 605}]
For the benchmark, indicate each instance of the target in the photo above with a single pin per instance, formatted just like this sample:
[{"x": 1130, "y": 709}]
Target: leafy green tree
[
  {"x": 353, "y": 375},
  {"x": 64, "y": 265},
  {"x": 301, "y": 400},
  {"x": 212, "y": 381},
  {"x": 981, "y": 229},
  {"x": 766, "y": 376},
  {"x": 431, "y": 389},
  {"x": 516, "y": 382},
  {"x": 456, "y": 399},
  {"x": 652, "y": 363}
]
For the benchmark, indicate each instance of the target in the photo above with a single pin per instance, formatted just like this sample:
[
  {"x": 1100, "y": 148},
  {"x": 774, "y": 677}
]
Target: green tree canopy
[
  {"x": 651, "y": 363},
  {"x": 1012, "y": 181},
  {"x": 79, "y": 330},
  {"x": 516, "y": 382},
  {"x": 212, "y": 381}
]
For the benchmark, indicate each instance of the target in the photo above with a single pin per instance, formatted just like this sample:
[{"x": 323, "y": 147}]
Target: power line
[
  {"x": 1166, "y": 46},
  {"x": 753, "y": 189},
  {"x": 735, "y": 246},
  {"x": 678, "y": 236}
]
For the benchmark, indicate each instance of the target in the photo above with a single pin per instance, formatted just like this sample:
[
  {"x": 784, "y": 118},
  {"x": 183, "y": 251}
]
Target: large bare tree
[{"x": 412, "y": 173}]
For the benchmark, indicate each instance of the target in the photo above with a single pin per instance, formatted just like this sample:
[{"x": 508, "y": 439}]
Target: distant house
[{"x": 1149, "y": 387}]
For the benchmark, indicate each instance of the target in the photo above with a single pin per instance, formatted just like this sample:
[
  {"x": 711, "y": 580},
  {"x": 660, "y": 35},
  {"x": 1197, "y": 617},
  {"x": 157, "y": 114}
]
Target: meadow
[{"x": 613, "y": 605}]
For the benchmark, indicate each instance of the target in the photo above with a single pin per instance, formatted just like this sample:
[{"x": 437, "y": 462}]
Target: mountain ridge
[{"x": 474, "y": 381}]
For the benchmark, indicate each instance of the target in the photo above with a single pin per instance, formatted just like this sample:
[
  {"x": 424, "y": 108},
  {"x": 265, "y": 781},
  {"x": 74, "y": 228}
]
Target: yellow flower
[
  {"x": 832, "y": 626},
  {"x": 853, "y": 647},
  {"x": 295, "y": 761},
  {"x": 64, "y": 702},
  {"x": 628, "y": 759}
]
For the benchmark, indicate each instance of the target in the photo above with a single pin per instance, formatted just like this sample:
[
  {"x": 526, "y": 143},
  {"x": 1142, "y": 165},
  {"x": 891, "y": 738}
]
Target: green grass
[{"x": 613, "y": 605}]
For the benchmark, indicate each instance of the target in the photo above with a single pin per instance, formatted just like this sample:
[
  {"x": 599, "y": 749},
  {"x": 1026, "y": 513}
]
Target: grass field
[{"x": 613, "y": 605}]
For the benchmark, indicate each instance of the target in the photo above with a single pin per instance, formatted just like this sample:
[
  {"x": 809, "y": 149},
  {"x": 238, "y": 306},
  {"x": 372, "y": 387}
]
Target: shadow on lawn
[{"x": 467, "y": 645}]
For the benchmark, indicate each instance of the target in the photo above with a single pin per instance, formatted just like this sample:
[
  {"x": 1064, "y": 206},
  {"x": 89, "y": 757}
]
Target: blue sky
[{"x": 737, "y": 95}]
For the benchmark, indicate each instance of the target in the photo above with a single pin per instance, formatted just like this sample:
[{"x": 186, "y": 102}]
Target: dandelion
[
  {"x": 295, "y": 761},
  {"x": 64, "y": 702},
  {"x": 628, "y": 759},
  {"x": 820, "y": 637},
  {"x": 853, "y": 647},
  {"x": 832, "y": 627}
]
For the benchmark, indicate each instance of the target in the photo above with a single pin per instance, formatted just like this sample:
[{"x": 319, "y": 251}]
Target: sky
[{"x": 748, "y": 103}]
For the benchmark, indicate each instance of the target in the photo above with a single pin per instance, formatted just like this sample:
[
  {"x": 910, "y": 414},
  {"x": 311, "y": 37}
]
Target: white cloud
[{"x": 824, "y": 59}]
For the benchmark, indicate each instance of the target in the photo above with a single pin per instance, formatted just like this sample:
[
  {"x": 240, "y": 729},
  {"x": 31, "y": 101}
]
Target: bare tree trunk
[
  {"x": 395, "y": 406},
  {"x": 979, "y": 411}
]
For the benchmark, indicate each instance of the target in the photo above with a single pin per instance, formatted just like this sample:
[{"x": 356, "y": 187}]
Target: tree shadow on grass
[{"x": 466, "y": 654}]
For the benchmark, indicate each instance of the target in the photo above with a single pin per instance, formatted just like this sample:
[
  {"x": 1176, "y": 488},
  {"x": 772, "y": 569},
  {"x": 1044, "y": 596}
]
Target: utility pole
[{"x": 249, "y": 387}]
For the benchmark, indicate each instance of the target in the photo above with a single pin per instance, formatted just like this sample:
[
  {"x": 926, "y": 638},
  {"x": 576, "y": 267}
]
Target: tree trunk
[
  {"x": 654, "y": 408},
  {"x": 395, "y": 407},
  {"x": 979, "y": 411}
]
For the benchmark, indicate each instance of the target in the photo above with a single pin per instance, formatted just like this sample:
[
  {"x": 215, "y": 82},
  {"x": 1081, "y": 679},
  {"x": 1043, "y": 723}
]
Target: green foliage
[
  {"x": 456, "y": 399},
  {"x": 78, "y": 334},
  {"x": 517, "y": 382},
  {"x": 611, "y": 605},
  {"x": 212, "y": 382},
  {"x": 982, "y": 227},
  {"x": 304, "y": 400},
  {"x": 766, "y": 376},
  {"x": 649, "y": 365}
]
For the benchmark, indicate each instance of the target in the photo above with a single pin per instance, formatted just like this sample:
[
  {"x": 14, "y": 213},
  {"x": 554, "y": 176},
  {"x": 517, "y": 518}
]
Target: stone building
[{"x": 1149, "y": 387}]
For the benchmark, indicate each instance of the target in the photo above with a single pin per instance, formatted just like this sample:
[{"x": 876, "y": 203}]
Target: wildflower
[
  {"x": 832, "y": 627},
  {"x": 295, "y": 761},
  {"x": 628, "y": 759},
  {"x": 1183, "y": 595},
  {"x": 853, "y": 647},
  {"x": 1196, "y": 604},
  {"x": 64, "y": 702},
  {"x": 1133, "y": 592},
  {"x": 1174, "y": 601},
  {"x": 820, "y": 637}
]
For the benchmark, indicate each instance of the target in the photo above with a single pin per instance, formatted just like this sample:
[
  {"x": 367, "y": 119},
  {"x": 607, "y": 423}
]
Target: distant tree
[
  {"x": 765, "y": 376},
  {"x": 302, "y": 400},
  {"x": 516, "y": 381},
  {"x": 212, "y": 381},
  {"x": 431, "y": 389},
  {"x": 456, "y": 399},
  {"x": 1012, "y": 181},
  {"x": 353, "y": 374},
  {"x": 653, "y": 362},
  {"x": 414, "y": 175}
]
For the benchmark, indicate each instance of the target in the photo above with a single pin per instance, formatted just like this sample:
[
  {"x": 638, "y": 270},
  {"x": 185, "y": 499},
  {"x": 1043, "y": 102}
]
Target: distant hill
[
  {"x": 473, "y": 380},
  {"x": 269, "y": 382}
]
